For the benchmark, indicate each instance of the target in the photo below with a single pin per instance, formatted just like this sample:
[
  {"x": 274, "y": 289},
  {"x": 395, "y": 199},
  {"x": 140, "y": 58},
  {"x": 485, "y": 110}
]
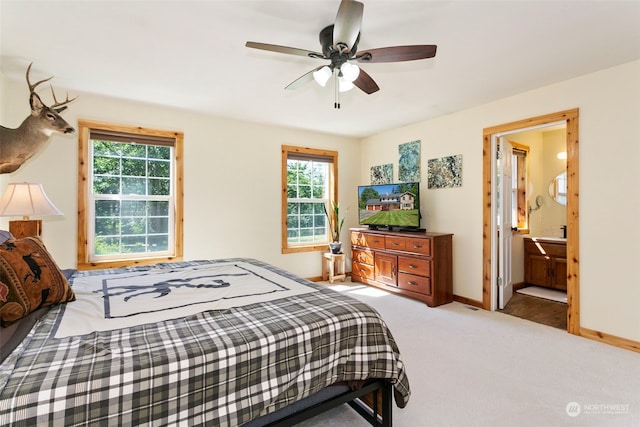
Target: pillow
[
  {"x": 12, "y": 336},
  {"x": 5, "y": 235},
  {"x": 29, "y": 279}
]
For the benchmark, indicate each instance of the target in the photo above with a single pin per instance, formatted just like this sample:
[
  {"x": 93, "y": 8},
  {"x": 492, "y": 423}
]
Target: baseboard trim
[
  {"x": 610, "y": 339},
  {"x": 468, "y": 301}
]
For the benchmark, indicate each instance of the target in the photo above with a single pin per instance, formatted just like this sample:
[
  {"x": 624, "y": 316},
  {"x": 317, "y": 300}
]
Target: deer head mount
[{"x": 20, "y": 144}]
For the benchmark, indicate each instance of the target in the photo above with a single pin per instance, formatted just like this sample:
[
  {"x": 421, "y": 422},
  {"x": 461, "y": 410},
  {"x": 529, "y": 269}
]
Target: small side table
[{"x": 333, "y": 266}]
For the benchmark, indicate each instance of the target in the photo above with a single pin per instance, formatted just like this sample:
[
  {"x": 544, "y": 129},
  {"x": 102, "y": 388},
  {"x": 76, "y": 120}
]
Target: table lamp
[{"x": 25, "y": 200}]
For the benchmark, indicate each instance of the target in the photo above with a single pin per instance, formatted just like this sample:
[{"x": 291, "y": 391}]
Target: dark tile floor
[{"x": 539, "y": 310}]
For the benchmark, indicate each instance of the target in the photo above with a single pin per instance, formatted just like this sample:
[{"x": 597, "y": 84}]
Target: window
[
  {"x": 129, "y": 196},
  {"x": 519, "y": 215},
  {"x": 309, "y": 182}
]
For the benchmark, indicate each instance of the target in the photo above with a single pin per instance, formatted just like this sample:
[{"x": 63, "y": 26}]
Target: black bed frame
[{"x": 352, "y": 398}]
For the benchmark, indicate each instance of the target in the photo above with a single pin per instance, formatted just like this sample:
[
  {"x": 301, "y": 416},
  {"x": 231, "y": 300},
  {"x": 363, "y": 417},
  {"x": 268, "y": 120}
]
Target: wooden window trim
[
  {"x": 288, "y": 150},
  {"x": 84, "y": 128}
]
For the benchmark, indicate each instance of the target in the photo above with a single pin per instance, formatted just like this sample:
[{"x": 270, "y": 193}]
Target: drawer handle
[
  {"x": 395, "y": 244},
  {"x": 416, "y": 246},
  {"x": 410, "y": 282},
  {"x": 413, "y": 266}
]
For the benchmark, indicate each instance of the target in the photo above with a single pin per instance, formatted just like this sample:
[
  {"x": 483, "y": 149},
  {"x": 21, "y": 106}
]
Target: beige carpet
[{"x": 471, "y": 367}]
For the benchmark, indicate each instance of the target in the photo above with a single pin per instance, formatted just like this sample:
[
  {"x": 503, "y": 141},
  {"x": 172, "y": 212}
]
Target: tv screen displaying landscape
[{"x": 390, "y": 205}]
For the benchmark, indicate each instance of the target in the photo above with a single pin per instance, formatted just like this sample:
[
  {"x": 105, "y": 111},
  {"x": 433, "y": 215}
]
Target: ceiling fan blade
[
  {"x": 347, "y": 25},
  {"x": 303, "y": 80},
  {"x": 285, "y": 49},
  {"x": 397, "y": 53},
  {"x": 366, "y": 83}
]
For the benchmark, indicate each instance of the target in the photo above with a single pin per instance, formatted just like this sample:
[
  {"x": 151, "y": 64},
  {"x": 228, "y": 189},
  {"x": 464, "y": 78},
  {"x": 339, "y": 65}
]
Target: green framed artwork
[
  {"x": 409, "y": 162},
  {"x": 382, "y": 174},
  {"x": 445, "y": 172}
]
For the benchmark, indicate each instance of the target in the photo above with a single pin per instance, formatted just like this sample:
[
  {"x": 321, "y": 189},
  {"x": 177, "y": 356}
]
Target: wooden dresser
[
  {"x": 545, "y": 262},
  {"x": 418, "y": 265}
]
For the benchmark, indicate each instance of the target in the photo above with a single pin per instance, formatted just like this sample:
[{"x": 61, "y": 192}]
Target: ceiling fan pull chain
[{"x": 336, "y": 104}]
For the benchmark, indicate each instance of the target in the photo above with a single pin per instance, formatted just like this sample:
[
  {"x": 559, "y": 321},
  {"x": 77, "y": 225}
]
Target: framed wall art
[{"x": 445, "y": 172}]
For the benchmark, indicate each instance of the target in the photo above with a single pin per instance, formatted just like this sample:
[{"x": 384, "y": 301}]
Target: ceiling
[{"x": 192, "y": 55}]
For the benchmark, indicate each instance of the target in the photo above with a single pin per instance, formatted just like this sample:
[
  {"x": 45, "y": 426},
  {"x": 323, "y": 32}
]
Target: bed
[{"x": 116, "y": 351}]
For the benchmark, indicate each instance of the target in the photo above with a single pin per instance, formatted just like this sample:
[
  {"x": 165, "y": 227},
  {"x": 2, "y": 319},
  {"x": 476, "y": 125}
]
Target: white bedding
[{"x": 114, "y": 301}]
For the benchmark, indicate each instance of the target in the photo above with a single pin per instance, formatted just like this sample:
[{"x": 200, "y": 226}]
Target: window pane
[
  {"x": 293, "y": 221},
  {"x": 106, "y": 185},
  {"x": 134, "y": 226},
  {"x": 158, "y": 225},
  {"x": 134, "y": 150},
  {"x": 156, "y": 152},
  {"x": 159, "y": 187},
  {"x": 106, "y": 148},
  {"x": 107, "y": 208},
  {"x": 134, "y": 167},
  {"x": 158, "y": 243},
  {"x": 107, "y": 246},
  {"x": 106, "y": 166},
  {"x": 107, "y": 226},
  {"x": 134, "y": 244},
  {"x": 134, "y": 208},
  {"x": 306, "y": 220},
  {"x": 158, "y": 208},
  {"x": 306, "y": 208},
  {"x": 134, "y": 186},
  {"x": 304, "y": 191},
  {"x": 293, "y": 208},
  {"x": 159, "y": 169}
]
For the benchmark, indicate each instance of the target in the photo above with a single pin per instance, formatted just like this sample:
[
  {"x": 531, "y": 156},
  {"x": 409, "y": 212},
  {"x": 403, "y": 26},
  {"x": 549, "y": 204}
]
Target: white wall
[
  {"x": 609, "y": 103},
  {"x": 224, "y": 160}
]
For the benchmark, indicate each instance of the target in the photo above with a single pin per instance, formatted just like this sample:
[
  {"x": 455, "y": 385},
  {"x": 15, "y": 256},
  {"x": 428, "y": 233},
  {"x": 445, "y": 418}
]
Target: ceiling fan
[{"x": 339, "y": 43}]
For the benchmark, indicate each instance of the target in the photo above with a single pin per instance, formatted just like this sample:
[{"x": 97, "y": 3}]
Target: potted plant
[{"x": 335, "y": 224}]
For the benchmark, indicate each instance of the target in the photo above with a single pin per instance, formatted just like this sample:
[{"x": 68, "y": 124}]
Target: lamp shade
[
  {"x": 25, "y": 199},
  {"x": 344, "y": 85},
  {"x": 349, "y": 71},
  {"x": 322, "y": 75}
]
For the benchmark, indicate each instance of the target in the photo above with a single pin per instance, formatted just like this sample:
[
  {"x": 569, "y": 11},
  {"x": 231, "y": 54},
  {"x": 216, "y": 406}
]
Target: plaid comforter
[{"x": 221, "y": 367}]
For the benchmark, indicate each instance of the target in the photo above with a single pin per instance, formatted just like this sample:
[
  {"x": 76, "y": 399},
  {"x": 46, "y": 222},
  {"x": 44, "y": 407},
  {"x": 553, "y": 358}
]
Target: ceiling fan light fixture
[
  {"x": 344, "y": 85},
  {"x": 322, "y": 75},
  {"x": 349, "y": 71}
]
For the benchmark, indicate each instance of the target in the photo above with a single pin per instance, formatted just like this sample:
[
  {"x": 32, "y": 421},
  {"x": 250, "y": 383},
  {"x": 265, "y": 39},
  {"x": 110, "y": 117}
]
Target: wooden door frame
[{"x": 573, "y": 270}]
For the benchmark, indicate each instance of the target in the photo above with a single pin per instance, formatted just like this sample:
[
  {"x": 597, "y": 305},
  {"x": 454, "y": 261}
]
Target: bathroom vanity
[{"x": 545, "y": 262}]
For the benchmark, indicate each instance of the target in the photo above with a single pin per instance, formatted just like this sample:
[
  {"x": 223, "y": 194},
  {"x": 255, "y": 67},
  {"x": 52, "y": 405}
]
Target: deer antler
[
  {"x": 60, "y": 104},
  {"x": 32, "y": 87}
]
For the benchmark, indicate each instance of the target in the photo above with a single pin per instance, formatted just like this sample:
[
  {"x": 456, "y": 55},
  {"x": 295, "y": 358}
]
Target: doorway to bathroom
[{"x": 498, "y": 268}]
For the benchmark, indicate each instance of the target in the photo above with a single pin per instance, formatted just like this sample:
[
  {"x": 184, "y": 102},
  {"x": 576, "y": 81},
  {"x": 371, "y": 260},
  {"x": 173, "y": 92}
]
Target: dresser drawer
[
  {"x": 418, "y": 246},
  {"x": 362, "y": 257},
  {"x": 395, "y": 243},
  {"x": 367, "y": 240},
  {"x": 365, "y": 271},
  {"x": 417, "y": 266},
  {"x": 411, "y": 282}
]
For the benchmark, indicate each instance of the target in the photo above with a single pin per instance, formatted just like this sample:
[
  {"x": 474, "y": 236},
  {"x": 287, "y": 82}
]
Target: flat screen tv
[{"x": 390, "y": 206}]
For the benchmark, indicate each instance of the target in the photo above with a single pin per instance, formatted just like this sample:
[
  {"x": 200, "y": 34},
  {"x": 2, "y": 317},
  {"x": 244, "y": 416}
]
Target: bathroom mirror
[{"x": 558, "y": 188}]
